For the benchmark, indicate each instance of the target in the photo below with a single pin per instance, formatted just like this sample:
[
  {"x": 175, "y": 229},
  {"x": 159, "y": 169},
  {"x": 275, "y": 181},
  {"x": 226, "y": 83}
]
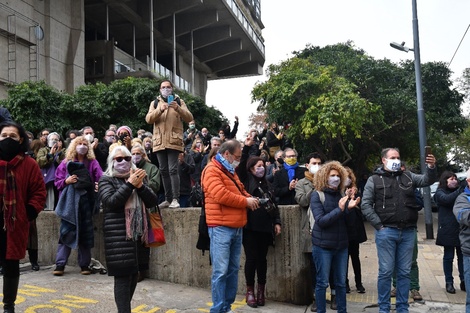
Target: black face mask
[
  {"x": 9, "y": 148},
  {"x": 280, "y": 161}
]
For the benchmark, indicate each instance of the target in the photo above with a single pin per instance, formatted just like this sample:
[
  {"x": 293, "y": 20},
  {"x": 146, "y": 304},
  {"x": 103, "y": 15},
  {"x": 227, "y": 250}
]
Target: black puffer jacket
[
  {"x": 448, "y": 231},
  {"x": 121, "y": 254}
]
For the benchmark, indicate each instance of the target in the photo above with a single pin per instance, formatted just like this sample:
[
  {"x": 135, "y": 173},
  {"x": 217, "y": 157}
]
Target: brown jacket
[
  {"x": 225, "y": 204},
  {"x": 168, "y": 125}
]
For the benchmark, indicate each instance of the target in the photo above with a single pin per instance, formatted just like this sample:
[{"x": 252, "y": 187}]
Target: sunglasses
[{"x": 127, "y": 158}]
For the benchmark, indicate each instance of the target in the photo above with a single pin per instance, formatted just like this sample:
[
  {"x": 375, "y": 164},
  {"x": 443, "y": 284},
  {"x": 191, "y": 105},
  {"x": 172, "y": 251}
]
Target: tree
[
  {"x": 383, "y": 96},
  {"x": 37, "y": 105}
]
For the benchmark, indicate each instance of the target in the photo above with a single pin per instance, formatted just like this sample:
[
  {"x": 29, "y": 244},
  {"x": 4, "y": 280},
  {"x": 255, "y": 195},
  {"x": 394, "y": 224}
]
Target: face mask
[
  {"x": 259, "y": 172},
  {"x": 9, "y": 148},
  {"x": 109, "y": 139},
  {"x": 166, "y": 92},
  {"x": 147, "y": 145},
  {"x": 291, "y": 161},
  {"x": 81, "y": 149},
  {"x": 235, "y": 164},
  {"x": 348, "y": 182},
  {"x": 393, "y": 165},
  {"x": 136, "y": 158},
  {"x": 198, "y": 145},
  {"x": 89, "y": 137},
  {"x": 122, "y": 167},
  {"x": 452, "y": 184},
  {"x": 314, "y": 168},
  {"x": 204, "y": 134},
  {"x": 333, "y": 181},
  {"x": 280, "y": 161},
  {"x": 192, "y": 126},
  {"x": 51, "y": 143}
]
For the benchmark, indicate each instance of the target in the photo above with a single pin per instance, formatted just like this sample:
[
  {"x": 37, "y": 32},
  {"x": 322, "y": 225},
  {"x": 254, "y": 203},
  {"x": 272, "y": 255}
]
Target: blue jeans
[
  {"x": 225, "y": 249},
  {"x": 448, "y": 263},
  {"x": 325, "y": 259},
  {"x": 466, "y": 268},
  {"x": 394, "y": 252}
]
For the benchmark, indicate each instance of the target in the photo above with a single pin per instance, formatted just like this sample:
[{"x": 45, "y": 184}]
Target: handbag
[{"x": 156, "y": 233}]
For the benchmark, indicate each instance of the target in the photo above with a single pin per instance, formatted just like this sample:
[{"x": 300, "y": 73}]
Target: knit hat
[{"x": 124, "y": 128}]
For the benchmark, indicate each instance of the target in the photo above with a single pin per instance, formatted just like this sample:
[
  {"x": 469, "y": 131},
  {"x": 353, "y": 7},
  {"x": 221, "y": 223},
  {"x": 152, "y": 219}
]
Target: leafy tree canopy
[{"x": 348, "y": 105}]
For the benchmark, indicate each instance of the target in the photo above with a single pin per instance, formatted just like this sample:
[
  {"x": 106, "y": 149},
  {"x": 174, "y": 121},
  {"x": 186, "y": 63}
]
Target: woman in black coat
[
  {"x": 448, "y": 230},
  {"x": 124, "y": 198},
  {"x": 258, "y": 232}
]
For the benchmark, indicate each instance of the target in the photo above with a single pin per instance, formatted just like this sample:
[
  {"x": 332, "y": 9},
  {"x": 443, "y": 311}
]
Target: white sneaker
[
  {"x": 164, "y": 204},
  {"x": 174, "y": 204}
]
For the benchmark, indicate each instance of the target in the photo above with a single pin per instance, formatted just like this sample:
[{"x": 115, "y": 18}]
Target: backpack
[
  {"x": 196, "y": 197},
  {"x": 311, "y": 219}
]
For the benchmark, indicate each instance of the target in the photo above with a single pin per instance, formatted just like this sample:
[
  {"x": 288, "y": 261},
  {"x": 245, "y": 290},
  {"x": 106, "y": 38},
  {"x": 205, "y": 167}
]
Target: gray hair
[{"x": 110, "y": 170}]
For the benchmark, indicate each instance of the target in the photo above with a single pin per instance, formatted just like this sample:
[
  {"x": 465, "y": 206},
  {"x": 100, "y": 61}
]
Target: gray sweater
[{"x": 462, "y": 213}]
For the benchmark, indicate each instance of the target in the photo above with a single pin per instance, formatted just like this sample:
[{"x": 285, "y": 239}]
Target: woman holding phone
[{"x": 167, "y": 113}]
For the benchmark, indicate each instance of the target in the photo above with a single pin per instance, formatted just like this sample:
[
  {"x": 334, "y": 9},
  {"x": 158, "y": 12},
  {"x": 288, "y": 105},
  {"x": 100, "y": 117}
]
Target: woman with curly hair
[
  {"x": 331, "y": 211},
  {"x": 76, "y": 179}
]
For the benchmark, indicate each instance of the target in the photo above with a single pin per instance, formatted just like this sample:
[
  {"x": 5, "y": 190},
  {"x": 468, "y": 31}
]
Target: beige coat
[
  {"x": 303, "y": 191},
  {"x": 168, "y": 125}
]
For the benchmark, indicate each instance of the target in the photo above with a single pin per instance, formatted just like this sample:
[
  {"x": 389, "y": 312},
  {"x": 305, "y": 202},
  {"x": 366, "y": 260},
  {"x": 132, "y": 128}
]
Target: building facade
[{"x": 69, "y": 43}]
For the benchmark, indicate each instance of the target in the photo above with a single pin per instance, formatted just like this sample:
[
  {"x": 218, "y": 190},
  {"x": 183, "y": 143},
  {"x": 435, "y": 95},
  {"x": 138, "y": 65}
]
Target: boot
[
  {"x": 260, "y": 295},
  {"x": 250, "y": 296},
  {"x": 313, "y": 308},
  {"x": 33, "y": 259},
  {"x": 10, "y": 290},
  {"x": 333, "y": 304}
]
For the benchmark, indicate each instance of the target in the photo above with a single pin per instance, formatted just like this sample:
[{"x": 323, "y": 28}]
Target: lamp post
[{"x": 421, "y": 119}]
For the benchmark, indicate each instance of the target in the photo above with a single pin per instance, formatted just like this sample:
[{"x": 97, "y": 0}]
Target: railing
[{"x": 246, "y": 24}]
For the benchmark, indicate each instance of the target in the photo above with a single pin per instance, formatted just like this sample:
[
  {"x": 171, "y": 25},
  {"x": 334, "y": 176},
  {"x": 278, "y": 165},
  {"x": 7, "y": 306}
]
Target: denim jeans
[
  {"x": 394, "y": 252},
  {"x": 466, "y": 268},
  {"x": 414, "y": 272},
  {"x": 325, "y": 259},
  {"x": 225, "y": 249},
  {"x": 448, "y": 263}
]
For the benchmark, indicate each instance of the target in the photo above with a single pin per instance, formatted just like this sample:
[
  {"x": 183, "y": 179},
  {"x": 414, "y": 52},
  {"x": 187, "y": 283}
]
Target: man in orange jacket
[{"x": 226, "y": 202}]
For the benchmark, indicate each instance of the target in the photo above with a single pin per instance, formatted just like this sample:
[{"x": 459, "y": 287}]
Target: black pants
[
  {"x": 256, "y": 246},
  {"x": 124, "y": 287},
  {"x": 353, "y": 251}
]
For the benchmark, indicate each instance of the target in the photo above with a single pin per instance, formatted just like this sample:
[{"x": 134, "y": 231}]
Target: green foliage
[
  {"x": 348, "y": 106},
  {"x": 37, "y": 105}
]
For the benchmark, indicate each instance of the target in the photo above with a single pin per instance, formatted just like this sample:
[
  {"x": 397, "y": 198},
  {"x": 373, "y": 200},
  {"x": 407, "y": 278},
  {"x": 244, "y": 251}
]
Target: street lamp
[{"x": 421, "y": 119}]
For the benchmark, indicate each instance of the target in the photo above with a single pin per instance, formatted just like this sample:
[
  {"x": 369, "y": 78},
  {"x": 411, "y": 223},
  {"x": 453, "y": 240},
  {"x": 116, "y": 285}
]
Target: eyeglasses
[
  {"x": 237, "y": 157},
  {"x": 290, "y": 156},
  {"x": 119, "y": 159}
]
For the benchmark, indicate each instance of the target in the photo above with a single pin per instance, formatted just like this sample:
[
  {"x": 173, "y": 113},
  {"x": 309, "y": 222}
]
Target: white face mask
[
  {"x": 393, "y": 165},
  {"x": 314, "y": 168},
  {"x": 89, "y": 137},
  {"x": 334, "y": 181},
  {"x": 235, "y": 164}
]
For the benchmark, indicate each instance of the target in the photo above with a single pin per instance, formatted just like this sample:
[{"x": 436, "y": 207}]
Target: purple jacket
[{"x": 61, "y": 173}]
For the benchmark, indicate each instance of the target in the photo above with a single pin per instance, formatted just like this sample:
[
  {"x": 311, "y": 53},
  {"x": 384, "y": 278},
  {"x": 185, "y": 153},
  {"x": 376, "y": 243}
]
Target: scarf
[
  {"x": 136, "y": 219},
  {"x": 8, "y": 187},
  {"x": 291, "y": 170},
  {"x": 309, "y": 176},
  {"x": 225, "y": 163}
]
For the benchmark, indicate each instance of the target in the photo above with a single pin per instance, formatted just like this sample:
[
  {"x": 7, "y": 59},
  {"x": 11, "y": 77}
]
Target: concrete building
[{"x": 69, "y": 43}]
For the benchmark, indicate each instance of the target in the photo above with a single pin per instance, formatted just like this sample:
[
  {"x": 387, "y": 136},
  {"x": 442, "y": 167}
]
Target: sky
[{"x": 370, "y": 24}]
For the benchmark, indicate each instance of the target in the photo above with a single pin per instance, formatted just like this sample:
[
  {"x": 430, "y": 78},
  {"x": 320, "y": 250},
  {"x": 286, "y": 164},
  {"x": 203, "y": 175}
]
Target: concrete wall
[{"x": 180, "y": 262}]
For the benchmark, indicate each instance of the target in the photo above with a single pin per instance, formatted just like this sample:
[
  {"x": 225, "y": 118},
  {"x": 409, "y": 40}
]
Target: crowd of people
[{"x": 126, "y": 174}]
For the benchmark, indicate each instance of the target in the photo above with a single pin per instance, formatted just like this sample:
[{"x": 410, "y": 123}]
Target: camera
[
  {"x": 122, "y": 137},
  {"x": 263, "y": 200}
]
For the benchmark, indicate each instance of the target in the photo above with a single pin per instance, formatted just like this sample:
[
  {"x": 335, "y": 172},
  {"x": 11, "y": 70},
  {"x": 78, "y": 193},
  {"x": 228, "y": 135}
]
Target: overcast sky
[{"x": 370, "y": 24}]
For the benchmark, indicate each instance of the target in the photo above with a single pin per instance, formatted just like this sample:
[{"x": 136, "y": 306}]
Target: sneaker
[
  {"x": 416, "y": 295},
  {"x": 174, "y": 204},
  {"x": 164, "y": 205},
  {"x": 393, "y": 293},
  {"x": 59, "y": 270},
  {"x": 85, "y": 270}
]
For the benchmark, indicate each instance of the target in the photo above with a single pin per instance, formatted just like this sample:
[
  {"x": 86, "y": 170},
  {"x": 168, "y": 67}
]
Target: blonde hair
[
  {"x": 320, "y": 179},
  {"x": 72, "y": 152},
  {"x": 136, "y": 141}
]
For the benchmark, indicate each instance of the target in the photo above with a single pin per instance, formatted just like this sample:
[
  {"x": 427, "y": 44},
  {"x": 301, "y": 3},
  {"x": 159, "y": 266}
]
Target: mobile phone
[
  {"x": 170, "y": 98},
  {"x": 427, "y": 151}
]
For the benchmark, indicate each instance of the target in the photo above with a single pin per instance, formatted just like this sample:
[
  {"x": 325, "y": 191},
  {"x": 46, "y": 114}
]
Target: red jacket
[
  {"x": 225, "y": 204},
  {"x": 31, "y": 190}
]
